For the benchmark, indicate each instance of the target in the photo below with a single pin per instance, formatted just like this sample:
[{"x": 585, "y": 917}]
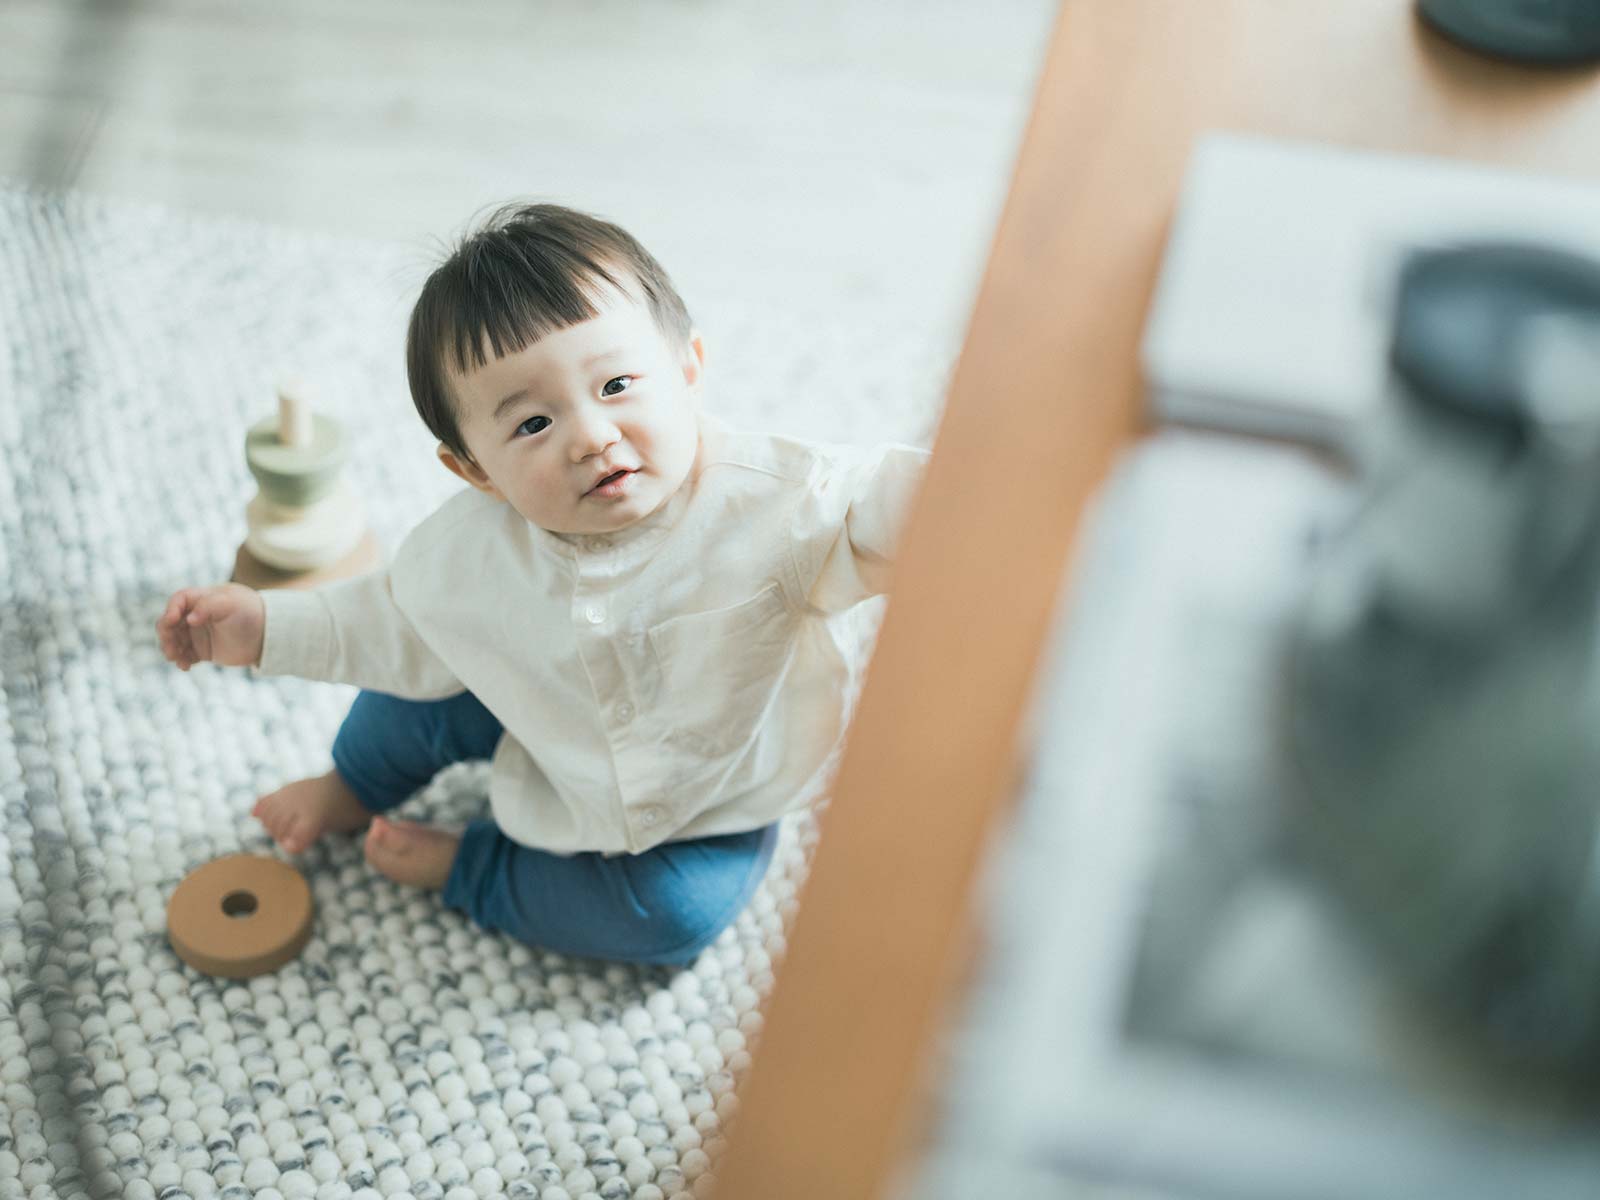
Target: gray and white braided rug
[{"x": 405, "y": 1052}]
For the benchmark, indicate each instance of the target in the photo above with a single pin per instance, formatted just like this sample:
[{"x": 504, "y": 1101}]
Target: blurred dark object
[
  {"x": 1444, "y": 686},
  {"x": 1549, "y": 32}
]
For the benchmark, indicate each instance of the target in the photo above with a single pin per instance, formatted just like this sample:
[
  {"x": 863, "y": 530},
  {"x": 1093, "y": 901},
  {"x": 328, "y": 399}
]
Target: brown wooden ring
[
  {"x": 239, "y": 915},
  {"x": 252, "y": 572}
]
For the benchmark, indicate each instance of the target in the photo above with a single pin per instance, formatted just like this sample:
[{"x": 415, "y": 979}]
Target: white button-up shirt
[{"x": 687, "y": 676}]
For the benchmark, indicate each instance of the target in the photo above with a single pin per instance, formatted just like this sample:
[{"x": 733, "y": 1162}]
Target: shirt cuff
[{"x": 298, "y": 637}]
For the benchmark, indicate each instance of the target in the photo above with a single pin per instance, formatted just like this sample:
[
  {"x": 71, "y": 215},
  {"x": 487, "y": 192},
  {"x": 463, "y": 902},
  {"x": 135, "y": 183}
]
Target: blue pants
[{"x": 662, "y": 906}]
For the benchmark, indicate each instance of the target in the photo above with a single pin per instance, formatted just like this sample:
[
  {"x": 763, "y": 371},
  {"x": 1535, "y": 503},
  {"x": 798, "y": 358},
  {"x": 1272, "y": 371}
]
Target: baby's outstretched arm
[{"x": 223, "y": 624}]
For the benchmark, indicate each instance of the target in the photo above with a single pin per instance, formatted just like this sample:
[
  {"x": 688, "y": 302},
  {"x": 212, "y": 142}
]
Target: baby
[{"x": 633, "y": 610}]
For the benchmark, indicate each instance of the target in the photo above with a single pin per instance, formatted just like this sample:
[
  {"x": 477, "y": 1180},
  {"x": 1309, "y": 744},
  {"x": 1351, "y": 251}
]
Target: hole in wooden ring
[{"x": 239, "y": 904}]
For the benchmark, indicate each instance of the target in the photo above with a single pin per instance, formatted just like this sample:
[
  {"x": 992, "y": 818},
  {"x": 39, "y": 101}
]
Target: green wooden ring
[{"x": 296, "y": 475}]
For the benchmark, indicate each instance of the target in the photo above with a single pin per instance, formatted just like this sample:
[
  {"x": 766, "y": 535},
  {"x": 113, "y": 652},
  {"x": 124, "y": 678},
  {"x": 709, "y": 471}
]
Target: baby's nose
[{"x": 593, "y": 437}]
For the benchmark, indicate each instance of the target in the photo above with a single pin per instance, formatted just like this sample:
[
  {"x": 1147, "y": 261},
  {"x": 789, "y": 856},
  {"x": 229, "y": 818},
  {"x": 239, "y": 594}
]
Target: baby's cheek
[
  {"x": 544, "y": 501},
  {"x": 675, "y": 450}
]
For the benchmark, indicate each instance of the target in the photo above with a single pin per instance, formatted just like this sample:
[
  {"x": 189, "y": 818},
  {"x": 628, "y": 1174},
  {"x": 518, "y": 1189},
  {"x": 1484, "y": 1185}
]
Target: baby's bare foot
[
  {"x": 298, "y": 814},
  {"x": 410, "y": 853}
]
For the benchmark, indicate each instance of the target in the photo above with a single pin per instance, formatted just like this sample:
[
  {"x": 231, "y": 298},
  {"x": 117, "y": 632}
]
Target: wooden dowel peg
[{"x": 295, "y": 418}]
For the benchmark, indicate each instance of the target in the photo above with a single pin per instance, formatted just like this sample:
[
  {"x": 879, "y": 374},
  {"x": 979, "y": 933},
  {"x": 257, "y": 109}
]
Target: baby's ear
[
  {"x": 694, "y": 359},
  {"x": 467, "y": 469}
]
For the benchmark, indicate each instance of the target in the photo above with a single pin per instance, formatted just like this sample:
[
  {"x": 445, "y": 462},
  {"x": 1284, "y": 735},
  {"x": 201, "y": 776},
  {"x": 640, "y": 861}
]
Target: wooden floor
[{"x": 772, "y": 147}]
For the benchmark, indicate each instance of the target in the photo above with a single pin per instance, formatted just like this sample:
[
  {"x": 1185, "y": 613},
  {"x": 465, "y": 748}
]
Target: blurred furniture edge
[{"x": 1045, "y": 393}]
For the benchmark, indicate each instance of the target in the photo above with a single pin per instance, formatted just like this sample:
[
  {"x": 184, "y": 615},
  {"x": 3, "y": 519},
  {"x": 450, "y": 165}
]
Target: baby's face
[{"x": 588, "y": 429}]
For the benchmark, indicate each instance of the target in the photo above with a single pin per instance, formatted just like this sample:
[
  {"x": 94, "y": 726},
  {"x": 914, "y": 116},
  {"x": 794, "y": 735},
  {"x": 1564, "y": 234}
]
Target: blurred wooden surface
[{"x": 1046, "y": 391}]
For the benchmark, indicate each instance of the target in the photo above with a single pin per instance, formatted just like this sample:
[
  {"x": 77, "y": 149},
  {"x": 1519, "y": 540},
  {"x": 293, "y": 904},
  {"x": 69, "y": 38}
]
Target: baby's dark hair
[{"x": 525, "y": 271}]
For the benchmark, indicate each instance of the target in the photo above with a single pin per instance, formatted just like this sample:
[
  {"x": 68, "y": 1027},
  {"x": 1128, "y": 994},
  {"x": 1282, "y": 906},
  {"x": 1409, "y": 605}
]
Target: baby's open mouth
[{"x": 609, "y": 480}]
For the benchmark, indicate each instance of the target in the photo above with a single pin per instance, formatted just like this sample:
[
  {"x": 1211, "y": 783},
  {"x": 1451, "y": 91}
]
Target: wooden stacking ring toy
[
  {"x": 239, "y": 915},
  {"x": 306, "y": 527}
]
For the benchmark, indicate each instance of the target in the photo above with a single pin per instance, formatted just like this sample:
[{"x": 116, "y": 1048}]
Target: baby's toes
[
  {"x": 274, "y": 818},
  {"x": 298, "y": 834}
]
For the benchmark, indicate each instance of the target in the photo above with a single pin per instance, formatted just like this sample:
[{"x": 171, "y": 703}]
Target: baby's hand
[{"x": 222, "y": 624}]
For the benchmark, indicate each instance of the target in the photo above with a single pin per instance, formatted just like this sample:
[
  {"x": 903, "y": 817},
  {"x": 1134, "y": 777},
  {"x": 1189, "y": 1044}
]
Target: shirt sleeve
[
  {"x": 352, "y": 632},
  {"x": 845, "y": 542}
]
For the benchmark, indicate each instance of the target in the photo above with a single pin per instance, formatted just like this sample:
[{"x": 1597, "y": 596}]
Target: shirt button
[
  {"x": 595, "y": 543},
  {"x": 594, "y": 614},
  {"x": 624, "y": 711},
  {"x": 650, "y": 816}
]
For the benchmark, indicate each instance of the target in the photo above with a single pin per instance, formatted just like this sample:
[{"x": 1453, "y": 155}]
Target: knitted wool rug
[{"x": 405, "y": 1052}]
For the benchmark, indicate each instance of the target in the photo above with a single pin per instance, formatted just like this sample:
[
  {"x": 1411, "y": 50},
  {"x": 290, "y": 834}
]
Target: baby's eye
[
  {"x": 623, "y": 380},
  {"x": 534, "y": 425}
]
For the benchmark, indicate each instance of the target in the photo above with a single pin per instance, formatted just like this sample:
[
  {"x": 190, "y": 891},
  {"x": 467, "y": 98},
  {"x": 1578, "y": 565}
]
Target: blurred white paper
[
  {"x": 1168, "y": 1004},
  {"x": 1271, "y": 314}
]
